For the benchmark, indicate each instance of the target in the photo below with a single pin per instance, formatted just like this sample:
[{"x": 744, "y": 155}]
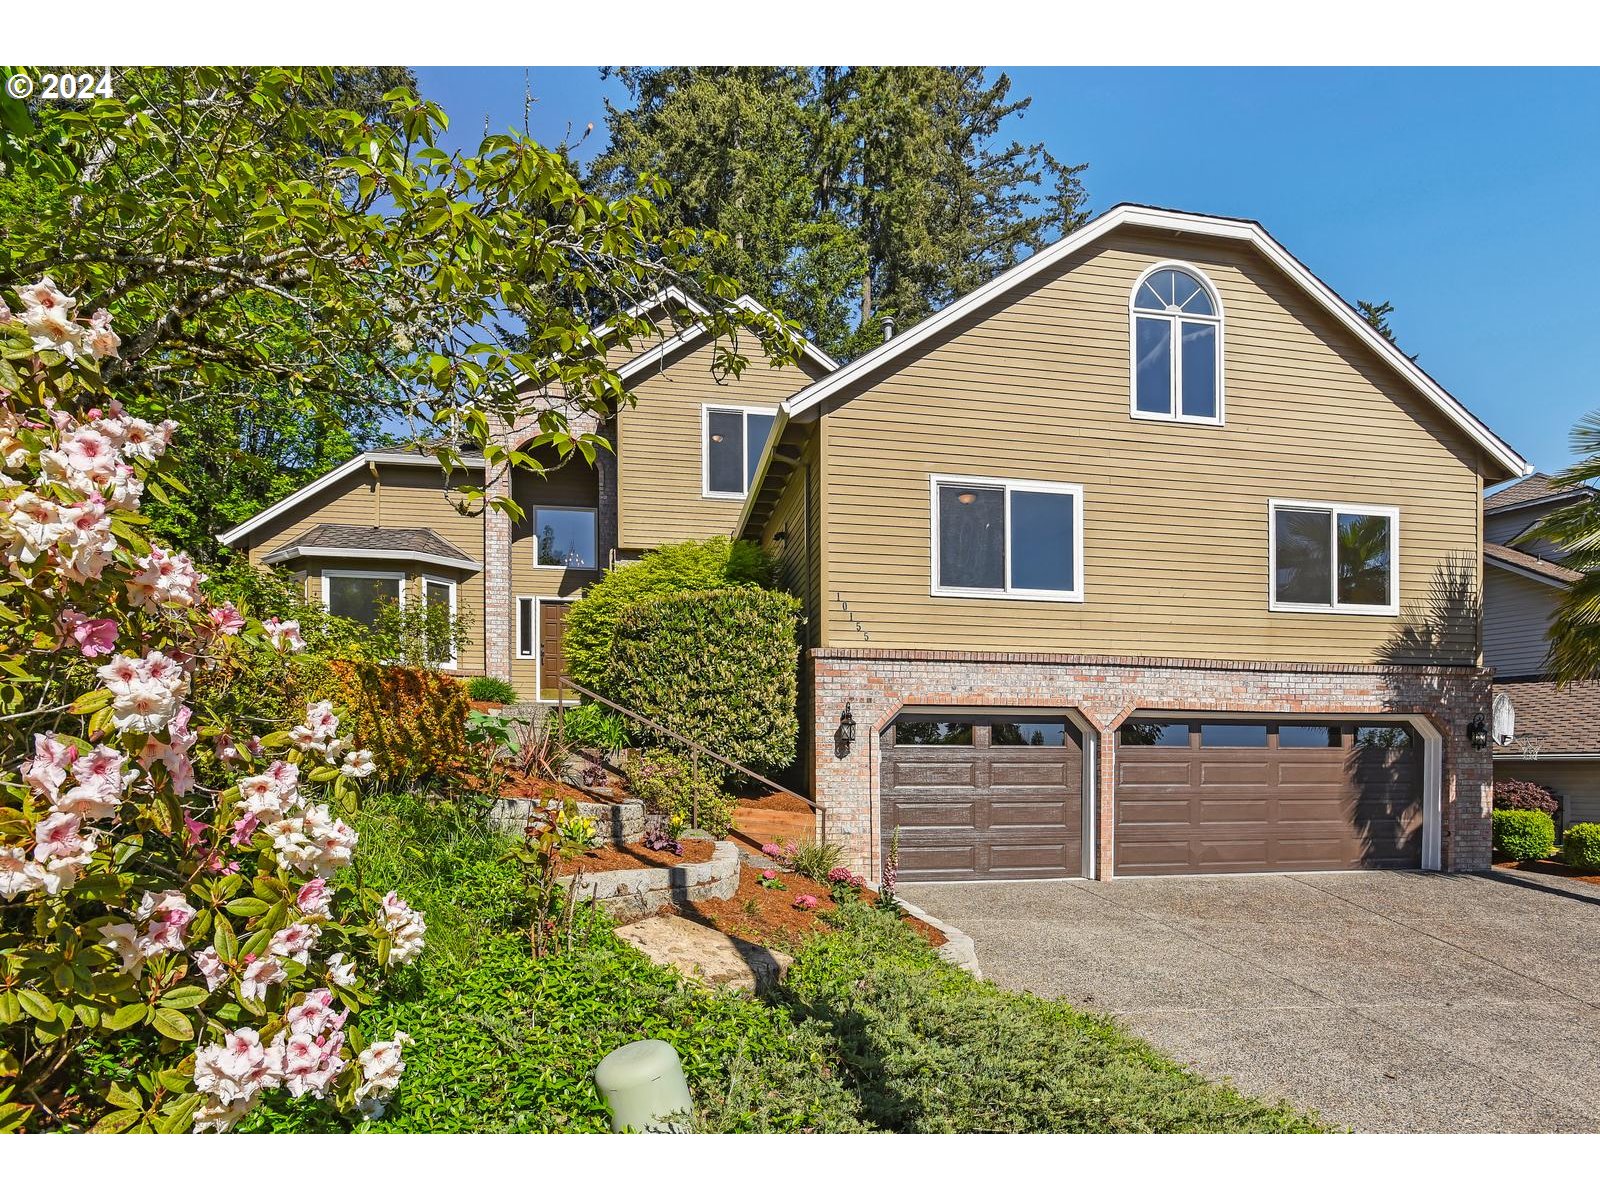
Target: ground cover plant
[{"x": 874, "y": 1033}]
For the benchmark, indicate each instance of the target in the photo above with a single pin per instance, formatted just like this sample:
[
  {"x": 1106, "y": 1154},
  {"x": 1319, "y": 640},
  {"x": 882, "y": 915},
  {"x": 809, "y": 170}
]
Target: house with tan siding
[
  {"x": 1150, "y": 556},
  {"x": 1547, "y": 734}
]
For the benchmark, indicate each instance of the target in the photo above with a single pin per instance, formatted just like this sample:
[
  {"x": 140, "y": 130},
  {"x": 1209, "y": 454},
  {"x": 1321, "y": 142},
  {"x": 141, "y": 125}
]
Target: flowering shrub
[
  {"x": 806, "y": 902},
  {"x": 843, "y": 883},
  {"x": 170, "y": 871},
  {"x": 769, "y": 879}
]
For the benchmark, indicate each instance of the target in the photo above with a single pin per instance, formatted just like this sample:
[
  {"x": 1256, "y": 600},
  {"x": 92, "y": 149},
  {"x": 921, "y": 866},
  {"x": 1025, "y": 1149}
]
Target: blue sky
[{"x": 1465, "y": 197}]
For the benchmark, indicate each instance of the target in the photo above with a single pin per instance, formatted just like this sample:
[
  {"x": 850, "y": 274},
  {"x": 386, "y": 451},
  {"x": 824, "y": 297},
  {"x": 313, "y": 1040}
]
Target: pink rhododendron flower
[
  {"x": 294, "y": 942},
  {"x": 46, "y": 771},
  {"x": 284, "y": 635},
  {"x": 95, "y": 637},
  {"x": 17, "y": 873},
  {"x": 124, "y": 939},
  {"x": 341, "y": 973},
  {"x": 406, "y": 926},
  {"x": 209, "y": 963},
  {"x": 259, "y": 975},
  {"x": 381, "y": 1068},
  {"x": 313, "y": 898}
]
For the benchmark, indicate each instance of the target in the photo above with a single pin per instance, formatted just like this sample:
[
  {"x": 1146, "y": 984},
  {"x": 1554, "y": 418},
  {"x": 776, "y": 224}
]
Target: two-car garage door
[
  {"x": 1197, "y": 797},
  {"x": 986, "y": 796}
]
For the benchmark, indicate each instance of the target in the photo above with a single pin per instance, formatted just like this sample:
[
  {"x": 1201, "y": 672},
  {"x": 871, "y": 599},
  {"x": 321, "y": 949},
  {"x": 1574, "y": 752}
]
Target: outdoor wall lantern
[
  {"x": 844, "y": 737},
  {"x": 1478, "y": 733}
]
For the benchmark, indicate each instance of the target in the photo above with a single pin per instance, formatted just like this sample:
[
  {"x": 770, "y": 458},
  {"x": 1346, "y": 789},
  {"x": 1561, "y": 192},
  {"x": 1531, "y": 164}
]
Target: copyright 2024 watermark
[{"x": 66, "y": 86}]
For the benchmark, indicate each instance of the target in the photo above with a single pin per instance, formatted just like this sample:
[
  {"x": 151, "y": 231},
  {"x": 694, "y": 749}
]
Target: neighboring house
[
  {"x": 1555, "y": 736},
  {"x": 1143, "y": 558},
  {"x": 386, "y": 527}
]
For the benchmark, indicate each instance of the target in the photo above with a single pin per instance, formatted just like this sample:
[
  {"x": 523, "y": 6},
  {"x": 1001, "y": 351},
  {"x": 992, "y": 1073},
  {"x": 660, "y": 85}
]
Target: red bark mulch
[
  {"x": 768, "y": 917},
  {"x": 634, "y": 856},
  {"x": 774, "y": 802},
  {"x": 1550, "y": 866}
]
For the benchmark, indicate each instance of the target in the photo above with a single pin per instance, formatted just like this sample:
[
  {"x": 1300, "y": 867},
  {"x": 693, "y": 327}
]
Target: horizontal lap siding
[
  {"x": 659, "y": 474},
  {"x": 1176, "y": 530},
  {"x": 404, "y": 498},
  {"x": 1516, "y": 621}
]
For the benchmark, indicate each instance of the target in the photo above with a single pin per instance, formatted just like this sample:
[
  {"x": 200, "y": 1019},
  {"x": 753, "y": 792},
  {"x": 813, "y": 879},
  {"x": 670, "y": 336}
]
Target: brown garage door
[
  {"x": 1222, "y": 796},
  {"x": 984, "y": 797}
]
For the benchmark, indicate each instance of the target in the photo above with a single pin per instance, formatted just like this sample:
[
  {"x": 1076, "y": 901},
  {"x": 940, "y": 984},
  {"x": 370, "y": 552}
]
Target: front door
[{"x": 552, "y": 660}]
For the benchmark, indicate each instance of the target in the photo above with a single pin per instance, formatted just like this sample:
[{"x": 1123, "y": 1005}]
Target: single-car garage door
[
  {"x": 1221, "y": 796},
  {"x": 984, "y": 797}
]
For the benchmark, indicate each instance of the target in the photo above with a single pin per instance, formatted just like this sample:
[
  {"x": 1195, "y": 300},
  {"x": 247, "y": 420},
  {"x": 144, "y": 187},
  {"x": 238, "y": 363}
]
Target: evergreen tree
[{"x": 848, "y": 194}]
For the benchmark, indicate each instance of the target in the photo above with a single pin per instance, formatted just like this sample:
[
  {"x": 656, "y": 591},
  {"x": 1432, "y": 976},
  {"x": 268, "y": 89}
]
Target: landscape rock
[{"x": 700, "y": 952}]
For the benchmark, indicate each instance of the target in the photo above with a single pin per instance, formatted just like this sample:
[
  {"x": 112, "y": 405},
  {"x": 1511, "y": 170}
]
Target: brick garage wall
[{"x": 1105, "y": 691}]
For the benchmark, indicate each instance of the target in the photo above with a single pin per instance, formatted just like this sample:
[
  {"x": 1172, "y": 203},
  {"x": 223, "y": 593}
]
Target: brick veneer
[{"x": 1105, "y": 691}]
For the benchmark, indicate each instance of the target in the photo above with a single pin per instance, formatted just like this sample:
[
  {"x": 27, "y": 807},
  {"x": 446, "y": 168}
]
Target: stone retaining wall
[
  {"x": 638, "y": 893},
  {"x": 618, "y": 823}
]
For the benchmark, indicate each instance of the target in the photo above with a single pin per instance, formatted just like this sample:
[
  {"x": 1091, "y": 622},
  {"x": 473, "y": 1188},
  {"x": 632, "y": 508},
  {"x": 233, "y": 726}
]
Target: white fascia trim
[
  {"x": 1511, "y": 568},
  {"x": 672, "y": 345},
  {"x": 336, "y": 553},
  {"x": 1335, "y": 508},
  {"x": 385, "y": 458},
  {"x": 1221, "y": 227},
  {"x": 1543, "y": 757}
]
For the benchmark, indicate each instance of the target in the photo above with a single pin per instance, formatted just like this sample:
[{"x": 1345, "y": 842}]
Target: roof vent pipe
[{"x": 888, "y": 328}]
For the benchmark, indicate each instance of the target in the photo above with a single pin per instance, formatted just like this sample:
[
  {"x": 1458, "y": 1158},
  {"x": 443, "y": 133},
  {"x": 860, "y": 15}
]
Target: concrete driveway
[{"x": 1388, "y": 1001}]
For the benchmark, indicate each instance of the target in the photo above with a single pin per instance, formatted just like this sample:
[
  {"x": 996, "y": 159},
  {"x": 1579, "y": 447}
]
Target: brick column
[{"x": 497, "y": 604}]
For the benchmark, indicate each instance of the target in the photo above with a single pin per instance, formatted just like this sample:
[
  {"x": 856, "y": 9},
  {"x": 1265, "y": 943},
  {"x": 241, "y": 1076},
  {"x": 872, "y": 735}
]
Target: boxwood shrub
[
  {"x": 668, "y": 570},
  {"x": 721, "y": 667},
  {"x": 1581, "y": 847},
  {"x": 1523, "y": 834}
]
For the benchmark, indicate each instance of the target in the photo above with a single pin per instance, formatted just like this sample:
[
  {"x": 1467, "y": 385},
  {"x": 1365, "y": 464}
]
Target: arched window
[{"x": 1177, "y": 346}]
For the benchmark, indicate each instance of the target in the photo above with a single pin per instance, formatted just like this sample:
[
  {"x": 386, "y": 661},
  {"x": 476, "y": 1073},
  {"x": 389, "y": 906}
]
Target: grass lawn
[{"x": 874, "y": 1031}]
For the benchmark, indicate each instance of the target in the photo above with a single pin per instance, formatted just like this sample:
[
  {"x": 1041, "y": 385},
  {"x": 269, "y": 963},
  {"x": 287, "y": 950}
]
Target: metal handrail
[{"x": 696, "y": 750}]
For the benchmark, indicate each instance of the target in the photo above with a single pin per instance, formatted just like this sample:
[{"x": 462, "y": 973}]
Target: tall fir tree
[{"x": 849, "y": 194}]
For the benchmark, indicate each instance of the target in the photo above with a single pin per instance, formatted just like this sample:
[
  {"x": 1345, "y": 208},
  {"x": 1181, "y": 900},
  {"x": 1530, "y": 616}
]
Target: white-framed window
[
  {"x": 565, "y": 537},
  {"x": 359, "y": 595},
  {"x": 527, "y": 629},
  {"x": 436, "y": 590},
  {"x": 1175, "y": 346},
  {"x": 732, "y": 438},
  {"x": 1014, "y": 538},
  {"x": 1333, "y": 557}
]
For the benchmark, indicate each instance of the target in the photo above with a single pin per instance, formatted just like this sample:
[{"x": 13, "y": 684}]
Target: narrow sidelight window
[
  {"x": 1007, "y": 538},
  {"x": 524, "y": 626},
  {"x": 1335, "y": 557}
]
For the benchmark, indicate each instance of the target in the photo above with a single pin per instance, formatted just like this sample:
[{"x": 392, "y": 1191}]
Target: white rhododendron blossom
[
  {"x": 381, "y": 1067},
  {"x": 406, "y": 926},
  {"x": 151, "y": 773}
]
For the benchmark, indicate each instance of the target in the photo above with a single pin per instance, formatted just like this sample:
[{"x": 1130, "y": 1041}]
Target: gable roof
[
  {"x": 661, "y": 350},
  {"x": 1529, "y": 565},
  {"x": 393, "y": 458},
  {"x": 373, "y": 541},
  {"x": 1137, "y": 216},
  {"x": 1536, "y": 489}
]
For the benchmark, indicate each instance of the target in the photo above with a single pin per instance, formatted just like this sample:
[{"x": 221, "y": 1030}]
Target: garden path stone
[{"x": 702, "y": 953}]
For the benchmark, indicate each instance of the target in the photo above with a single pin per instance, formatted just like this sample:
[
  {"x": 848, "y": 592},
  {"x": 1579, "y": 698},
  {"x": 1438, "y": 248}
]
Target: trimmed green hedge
[
  {"x": 665, "y": 571},
  {"x": 721, "y": 667},
  {"x": 1523, "y": 834},
  {"x": 1581, "y": 848}
]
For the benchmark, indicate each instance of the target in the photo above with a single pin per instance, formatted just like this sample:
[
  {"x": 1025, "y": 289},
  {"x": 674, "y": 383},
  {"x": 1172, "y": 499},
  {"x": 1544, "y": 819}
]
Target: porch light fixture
[
  {"x": 1478, "y": 733},
  {"x": 844, "y": 737},
  {"x": 965, "y": 498}
]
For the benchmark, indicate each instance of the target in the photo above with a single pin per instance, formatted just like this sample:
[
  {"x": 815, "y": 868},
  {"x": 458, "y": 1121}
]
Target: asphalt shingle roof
[
  {"x": 1528, "y": 562},
  {"x": 1534, "y": 488},
  {"x": 402, "y": 542},
  {"x": 1563, "y": 719}
]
